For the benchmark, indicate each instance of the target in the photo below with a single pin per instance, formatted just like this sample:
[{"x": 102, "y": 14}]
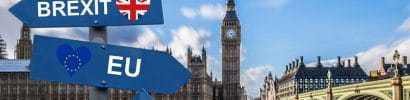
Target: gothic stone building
[
  {"x": 24, "y": 44},
  {"x": 298, "y": 78},
  {"x": 201, "y": 86},
  {"x": 269, "y": 88},
  {"x": 231, "y": 42}
]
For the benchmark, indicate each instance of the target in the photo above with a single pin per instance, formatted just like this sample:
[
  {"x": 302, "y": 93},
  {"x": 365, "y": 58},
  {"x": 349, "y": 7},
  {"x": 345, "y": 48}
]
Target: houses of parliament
[{"x": 16, "y": 85}]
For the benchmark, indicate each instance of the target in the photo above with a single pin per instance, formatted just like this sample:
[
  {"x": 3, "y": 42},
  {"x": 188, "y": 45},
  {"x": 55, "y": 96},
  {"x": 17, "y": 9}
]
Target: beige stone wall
[{"x": 18, "y": 86}]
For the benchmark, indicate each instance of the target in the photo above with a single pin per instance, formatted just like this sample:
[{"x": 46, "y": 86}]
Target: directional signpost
[
  {"x": 87, "y": 13},
  {"x": 101, "y": 65},
  {"x": 95, "y": 63}
]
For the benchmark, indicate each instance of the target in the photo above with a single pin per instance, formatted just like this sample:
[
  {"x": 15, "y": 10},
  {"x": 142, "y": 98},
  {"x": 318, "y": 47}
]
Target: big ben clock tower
[{"x": 231, "y": 42}]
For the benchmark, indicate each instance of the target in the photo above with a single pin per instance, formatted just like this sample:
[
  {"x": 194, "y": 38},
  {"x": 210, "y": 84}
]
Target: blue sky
[{"x": 274, "y": 32}]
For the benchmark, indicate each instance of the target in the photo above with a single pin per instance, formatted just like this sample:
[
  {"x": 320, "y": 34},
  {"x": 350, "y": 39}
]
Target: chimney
[
  {"x": 356, "y": 62},
  {"x": 339, "y": 63},
  {"x": 349, "y": 63},
  {"x": 297, "y": 63},
  {"x": 290, "y": 66},
  {"x": 383, "y": 61},
  {"x": 293, "y": 64},
  {"x": 404, "y": 60},
  {"x": 319, "y": 64},
  {"x": 287, "y": 68},
  {"x": 301, "y": 62}
]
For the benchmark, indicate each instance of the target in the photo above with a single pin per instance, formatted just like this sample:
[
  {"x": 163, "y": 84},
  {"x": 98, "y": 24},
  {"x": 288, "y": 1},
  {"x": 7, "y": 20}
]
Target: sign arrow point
[{"x": 142, "y": 95}]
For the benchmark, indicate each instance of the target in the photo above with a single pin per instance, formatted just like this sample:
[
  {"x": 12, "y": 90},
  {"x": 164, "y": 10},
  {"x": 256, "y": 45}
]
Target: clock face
[{"x": 230, "y": 34}]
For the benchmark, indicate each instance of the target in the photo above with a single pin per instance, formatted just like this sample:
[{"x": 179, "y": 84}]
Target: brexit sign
[
  {"x": 86, "y": 13},
  {"x": 110, "y": 66}
]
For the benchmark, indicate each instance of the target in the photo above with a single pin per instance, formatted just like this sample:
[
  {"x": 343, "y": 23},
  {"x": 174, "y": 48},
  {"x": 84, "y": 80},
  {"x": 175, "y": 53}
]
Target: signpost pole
[{"x": 98, "y": 35}]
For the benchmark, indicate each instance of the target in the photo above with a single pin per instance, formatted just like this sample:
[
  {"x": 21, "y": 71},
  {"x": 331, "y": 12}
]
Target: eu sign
[
  {"x": 86, "y": 13},
  {"x": 100, "y": 65}
]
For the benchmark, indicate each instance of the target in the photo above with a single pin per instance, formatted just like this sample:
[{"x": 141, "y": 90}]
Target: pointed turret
[
  {"x": 24, "y": 44},
  {"x": 230, "y": 11},
  {"x": 189, "y": 54},
  {"x": 3, "y": 52},
  {"x": 167, "y": 50},
  {"x": 204, "y": 54}
]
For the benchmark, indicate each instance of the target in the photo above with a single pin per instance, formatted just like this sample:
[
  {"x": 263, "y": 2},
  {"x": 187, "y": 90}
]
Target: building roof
[
  {"x": 337, "y": 72},
  {"x": 321, "y": 73},
  {"x": 231, "y": 16},
  {"x": 13, "y": 65},
  {"x": 231, "y": 2},
  {"x": 404, "y": 67}
]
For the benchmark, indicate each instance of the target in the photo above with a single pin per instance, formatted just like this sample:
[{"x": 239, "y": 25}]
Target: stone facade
[
  {"x": 298, "y": 78},
  {"x": 201, "y": 86},
  {"x": 3, "y": 52},
  {"x": 231, "y": 44},
  {"x": 24, "y": 44},
  {"x": 269, "y": 88}
]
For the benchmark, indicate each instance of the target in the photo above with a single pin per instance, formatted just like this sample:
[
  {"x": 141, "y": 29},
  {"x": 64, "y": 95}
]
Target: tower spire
[
  {"x": 230, "y": 11},
  {"x": 231, "y": 2},
  {"x": 25, "y": 32},
  {"x": 24, "y": 44},
  {"x": 231, "y": 42},
  {"x": 3, "y": 52}
]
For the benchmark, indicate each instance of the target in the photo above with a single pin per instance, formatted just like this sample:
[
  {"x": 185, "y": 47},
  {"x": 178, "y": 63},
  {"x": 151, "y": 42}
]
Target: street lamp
[{"x": 396, "y": 58}]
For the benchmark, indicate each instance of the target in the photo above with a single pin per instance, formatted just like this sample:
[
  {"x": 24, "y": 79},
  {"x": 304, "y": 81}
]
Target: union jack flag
[{"x": 133, "y": 8}]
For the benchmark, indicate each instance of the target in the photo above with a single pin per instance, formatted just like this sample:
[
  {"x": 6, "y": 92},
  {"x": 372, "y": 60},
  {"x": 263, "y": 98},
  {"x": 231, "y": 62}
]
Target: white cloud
[
  {"x": 147, "y": 39},
  {"x": 7, "y": 3},
  {"x": 212, "y": 11},
  {"x": 214, "y": 66},
  {"x": 185, "y": 37},
  {"x": 253, "y": 77},
  {"x": 370, "y": 59},
  {"x": 405, "y": 26},
  {"x": 188, "y": 12},
  {"x": 206, "y": 11},
  {"x": 182, "y": 38}
]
